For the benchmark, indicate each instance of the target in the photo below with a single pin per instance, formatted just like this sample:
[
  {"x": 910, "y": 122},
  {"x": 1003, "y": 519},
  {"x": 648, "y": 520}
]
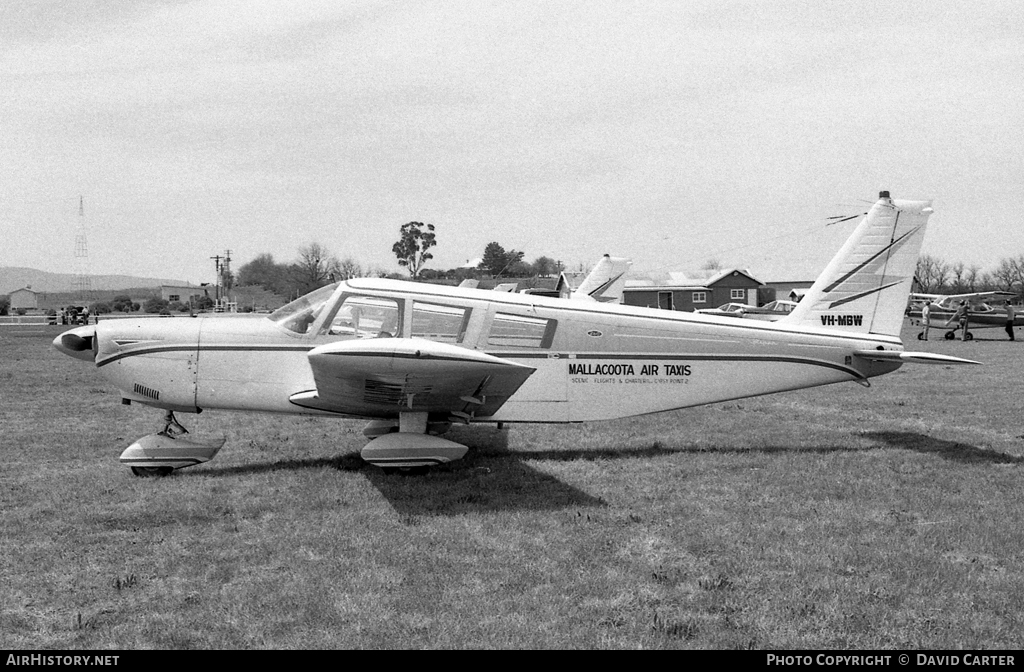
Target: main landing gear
[
  {"x": 950, "y": 335},
  {"x": 161, "y": 453},
  {"x": 409, "y": 446}
]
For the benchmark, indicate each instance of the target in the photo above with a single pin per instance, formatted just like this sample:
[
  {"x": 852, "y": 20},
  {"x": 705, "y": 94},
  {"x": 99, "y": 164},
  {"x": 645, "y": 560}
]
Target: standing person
[
  {"x": 961, "y": 317},
  {"x": 926, "y": 313},
  {"x": 1010, "y": 314}
]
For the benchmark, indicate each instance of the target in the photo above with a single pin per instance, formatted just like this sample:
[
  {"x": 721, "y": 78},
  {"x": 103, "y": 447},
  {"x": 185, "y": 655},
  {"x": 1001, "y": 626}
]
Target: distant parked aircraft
[
  {"x": 770, "y": 312},
  {"x": 981, "y": 315}
]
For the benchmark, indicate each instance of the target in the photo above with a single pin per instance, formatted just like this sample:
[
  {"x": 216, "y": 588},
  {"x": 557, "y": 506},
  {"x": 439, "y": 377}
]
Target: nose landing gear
[{"x": 161, "y": 453}]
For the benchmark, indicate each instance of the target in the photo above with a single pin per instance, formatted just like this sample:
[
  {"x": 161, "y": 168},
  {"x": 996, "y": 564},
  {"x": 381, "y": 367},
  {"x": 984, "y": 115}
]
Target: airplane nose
[{"x": 79, "y": 343}]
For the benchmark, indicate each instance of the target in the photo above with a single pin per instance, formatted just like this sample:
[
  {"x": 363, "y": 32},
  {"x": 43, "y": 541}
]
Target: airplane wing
[
  {"x": 974, "y": 296},
  {"x": 386, "y": 376},
  {"x": 915, "y": 357}
]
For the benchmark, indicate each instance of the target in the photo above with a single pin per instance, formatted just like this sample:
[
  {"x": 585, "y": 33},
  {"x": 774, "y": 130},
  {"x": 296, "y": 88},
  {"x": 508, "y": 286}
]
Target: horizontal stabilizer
[{"x": 914, "y": 357}]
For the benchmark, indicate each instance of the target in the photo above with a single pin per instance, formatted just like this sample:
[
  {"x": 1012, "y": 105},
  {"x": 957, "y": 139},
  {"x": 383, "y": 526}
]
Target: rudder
[
  {"x": 606, "y": 282},
  {"x": 865, "y": 287}
]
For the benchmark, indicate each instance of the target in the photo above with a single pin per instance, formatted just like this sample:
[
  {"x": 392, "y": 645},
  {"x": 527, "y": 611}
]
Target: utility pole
[
  {"x": 216, "y": 286},
  {"x": 222, "y": 263}
]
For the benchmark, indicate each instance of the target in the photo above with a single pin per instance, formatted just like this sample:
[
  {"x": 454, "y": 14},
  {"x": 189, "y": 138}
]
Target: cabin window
[
  {"x": 364, "y": 317},
  {"x": 737, "y": 295},
  {"x": 521, "y": 331},
  {"x": 174, "y": 297},
  {"x": 446, "y": 324},
  {"x": 700, "y": 297}
]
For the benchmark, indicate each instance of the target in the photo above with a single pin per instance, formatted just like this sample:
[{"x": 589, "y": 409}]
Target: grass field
[{"x": 837, "y": 517}]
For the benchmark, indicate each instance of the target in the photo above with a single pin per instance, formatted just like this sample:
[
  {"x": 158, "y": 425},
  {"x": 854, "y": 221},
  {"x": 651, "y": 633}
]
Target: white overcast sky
[{"x": 669, "y": 132}]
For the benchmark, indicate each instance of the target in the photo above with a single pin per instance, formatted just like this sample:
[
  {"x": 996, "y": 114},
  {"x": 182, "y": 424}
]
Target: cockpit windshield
[{"x": 298, "y": 315}]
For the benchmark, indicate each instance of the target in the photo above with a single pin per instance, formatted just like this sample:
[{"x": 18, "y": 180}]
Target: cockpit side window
[
  {"x": 300, "y": 314},
  {"x": 521, "y": 331},
  {"x": 445, "y": 324},
  {"x": 364, "y": 317}
]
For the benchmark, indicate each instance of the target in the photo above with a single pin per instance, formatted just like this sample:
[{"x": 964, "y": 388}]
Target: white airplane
[
  {"x": 771, "y": 311},
  {"x": 414, "y": 358},
  {"x": 942, "y": 307}
]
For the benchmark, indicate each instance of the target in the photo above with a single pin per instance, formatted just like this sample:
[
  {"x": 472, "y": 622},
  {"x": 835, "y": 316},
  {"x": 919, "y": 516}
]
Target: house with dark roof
[{"x": 688, "y": 292}]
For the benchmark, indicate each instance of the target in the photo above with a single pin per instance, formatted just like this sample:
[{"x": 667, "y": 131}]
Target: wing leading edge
[{"x": 382, "y": 378}]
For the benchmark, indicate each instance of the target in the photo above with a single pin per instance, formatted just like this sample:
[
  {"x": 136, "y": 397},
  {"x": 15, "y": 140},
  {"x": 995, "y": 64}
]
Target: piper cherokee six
[{"x": 413, "y": 358}]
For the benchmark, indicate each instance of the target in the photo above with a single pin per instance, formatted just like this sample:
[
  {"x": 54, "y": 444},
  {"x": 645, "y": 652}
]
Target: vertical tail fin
[
  {"x": 864, "y": 288},
  {"x": 606, "y": 282}
]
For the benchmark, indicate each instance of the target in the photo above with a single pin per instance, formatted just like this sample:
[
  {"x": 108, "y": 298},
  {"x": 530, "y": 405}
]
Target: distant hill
[{"x": 15, "y": 277}]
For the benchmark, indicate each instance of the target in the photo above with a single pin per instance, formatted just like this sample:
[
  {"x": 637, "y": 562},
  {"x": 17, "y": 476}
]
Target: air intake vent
[
  {"x": 392, "y": 393},
  {"x": 147, "y": 392}
]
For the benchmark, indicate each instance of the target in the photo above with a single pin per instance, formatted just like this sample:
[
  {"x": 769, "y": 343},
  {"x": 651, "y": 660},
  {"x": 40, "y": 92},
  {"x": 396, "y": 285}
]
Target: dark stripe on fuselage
[
  {"x": 194, "y": 348},
  {"x": 507, "y": 355},
  {"x": 689, "y": 358}
]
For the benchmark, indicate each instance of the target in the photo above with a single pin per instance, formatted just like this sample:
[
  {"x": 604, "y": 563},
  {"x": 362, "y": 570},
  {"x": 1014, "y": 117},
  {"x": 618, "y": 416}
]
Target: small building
[
  {"x": 569, "y": 282},
  {"x": 679, "y": 291},
  {"x": 793, "y": 290},
  {"x": 24, "y": 298},
  {"x": 183, "y": 293}
]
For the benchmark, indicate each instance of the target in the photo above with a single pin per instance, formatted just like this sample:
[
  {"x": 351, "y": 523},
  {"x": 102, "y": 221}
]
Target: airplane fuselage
[
  {"x": 978, "y": 318},
  {"x": 416, "y": 358},
  {"x": 593, "y": 361}
]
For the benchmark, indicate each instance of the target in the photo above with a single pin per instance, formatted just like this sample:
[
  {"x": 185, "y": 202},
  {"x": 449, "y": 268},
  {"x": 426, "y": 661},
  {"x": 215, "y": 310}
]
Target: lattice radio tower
[{"x": 83, "y": 280}]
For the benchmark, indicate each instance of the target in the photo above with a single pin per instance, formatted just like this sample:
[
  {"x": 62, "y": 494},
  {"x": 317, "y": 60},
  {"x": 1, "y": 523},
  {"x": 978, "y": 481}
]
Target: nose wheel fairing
[{"x": 161, "y": 453}]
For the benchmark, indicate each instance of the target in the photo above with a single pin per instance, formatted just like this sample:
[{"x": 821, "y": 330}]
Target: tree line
[
  {"x": 317, "y": 266},
  {"x": 936, "y": 276}
]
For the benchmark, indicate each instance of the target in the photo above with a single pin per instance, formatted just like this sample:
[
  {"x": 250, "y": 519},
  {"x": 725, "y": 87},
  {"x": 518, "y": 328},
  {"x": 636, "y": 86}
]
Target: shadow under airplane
[
  {"x": 494, "y": 478},
  {"x": 490, "y": 478},
  {"x": 949, "y": 450}
]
